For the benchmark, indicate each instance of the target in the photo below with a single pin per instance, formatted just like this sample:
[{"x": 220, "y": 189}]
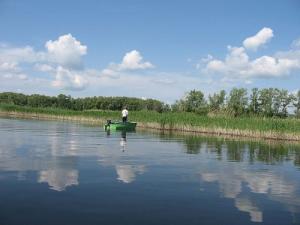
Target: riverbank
[{"x": 250, "y": 127}]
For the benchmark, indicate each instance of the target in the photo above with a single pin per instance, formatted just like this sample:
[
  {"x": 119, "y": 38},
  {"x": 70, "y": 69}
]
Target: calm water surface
[{"x": 64, "y": 173}]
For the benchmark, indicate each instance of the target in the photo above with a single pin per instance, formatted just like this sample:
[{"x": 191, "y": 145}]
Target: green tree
[
  {"x": 297, "y": 104},
  {"x": 64, "y": 101},
  {"x": 285, "y": 100},
  {"x": 216, "y": 101},
  {"x": 266, "y": 101},
  {"x": 281, "y": 100},
  {"x": 238, "y": 101},
  {"x": 254, "y": 105},
  {"x": 276, "y": 102},
  {"x": 195, "y": 102}
]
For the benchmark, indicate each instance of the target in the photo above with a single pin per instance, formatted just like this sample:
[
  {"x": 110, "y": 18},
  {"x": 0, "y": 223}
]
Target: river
[{"x": 66, "y": 173}]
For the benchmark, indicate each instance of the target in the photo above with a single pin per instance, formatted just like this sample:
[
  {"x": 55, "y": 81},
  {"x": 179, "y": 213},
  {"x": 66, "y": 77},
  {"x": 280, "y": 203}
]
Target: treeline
[
  {"x": 78, "y": 104},
  {"x": 267, "y": 102}
]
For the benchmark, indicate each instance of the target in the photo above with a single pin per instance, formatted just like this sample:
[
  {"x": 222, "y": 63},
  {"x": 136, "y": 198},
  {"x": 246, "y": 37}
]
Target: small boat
[{"x": 128, "y": 126}]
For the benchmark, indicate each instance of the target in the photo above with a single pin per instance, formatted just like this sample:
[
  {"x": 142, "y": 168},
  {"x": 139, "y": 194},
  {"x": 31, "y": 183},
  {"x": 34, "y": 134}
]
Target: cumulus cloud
[
  {"x": 69, "y": 80},
  {"x": 43, "y": 68},
  {"x": 259, "y": 39},
  {"x": 17, "y": 55},
  {"x": 238, "y": 65},
  {"x": 61, "y": 58},
  {"x": 66, "y": 51},
  {"x": 8, "y": 67},
  {"x": 132, "y": 60},
  {"x": 271, "y": 66},
  {"x": 11, "y": 70},
  {"x": 15, "y": 77},
  {"x": 10, "y": 59},
  {"x": 110, "y": 72}
]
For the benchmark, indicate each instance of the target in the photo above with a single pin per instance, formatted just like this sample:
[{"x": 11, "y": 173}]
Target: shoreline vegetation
[
  {"x": 267, "y": 113},
  {"x": 247, "y": 127}
]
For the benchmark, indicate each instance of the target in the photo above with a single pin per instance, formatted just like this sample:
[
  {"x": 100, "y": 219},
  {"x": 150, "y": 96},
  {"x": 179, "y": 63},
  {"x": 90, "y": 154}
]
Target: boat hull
[{"x": 128, "y": 126}]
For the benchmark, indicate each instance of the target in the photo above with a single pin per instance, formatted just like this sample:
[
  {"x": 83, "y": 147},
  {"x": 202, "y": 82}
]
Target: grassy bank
[{"x": 257, "y": 127}]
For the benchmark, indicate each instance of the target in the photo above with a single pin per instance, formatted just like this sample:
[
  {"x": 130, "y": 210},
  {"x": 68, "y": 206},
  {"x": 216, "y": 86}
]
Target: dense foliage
[
  {"x": 188, "y": 120},
  {"x": 79, "y": 104},
  {"x": 266, "y": 102}
]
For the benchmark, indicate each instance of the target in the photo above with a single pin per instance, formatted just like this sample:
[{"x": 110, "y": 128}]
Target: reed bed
[{"x": 254, "y": 127}]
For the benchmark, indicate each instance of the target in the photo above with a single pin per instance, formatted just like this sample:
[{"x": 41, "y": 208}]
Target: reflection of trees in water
[
  {"x": 255, "y": 151},
  {"x": 272, "y": 154},
  {"x": 217, "y": 148},
  {"x": 297, "y": 158},
  {"x": 193, "y": 145},
  {"x": 236, "y": 151},
  {"x": 239, "y": 150}
]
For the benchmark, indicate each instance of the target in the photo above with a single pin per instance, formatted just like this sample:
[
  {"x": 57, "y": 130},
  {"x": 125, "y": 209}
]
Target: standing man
[{"x": 124, "y": 114}]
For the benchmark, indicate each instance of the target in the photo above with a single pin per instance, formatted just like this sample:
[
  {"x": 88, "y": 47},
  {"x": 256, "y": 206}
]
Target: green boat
[{"x": 128, "y": 126}]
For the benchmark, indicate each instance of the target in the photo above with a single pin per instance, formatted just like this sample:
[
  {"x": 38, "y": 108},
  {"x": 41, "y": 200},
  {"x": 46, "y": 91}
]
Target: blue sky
[{"x": 151, "y": 49}]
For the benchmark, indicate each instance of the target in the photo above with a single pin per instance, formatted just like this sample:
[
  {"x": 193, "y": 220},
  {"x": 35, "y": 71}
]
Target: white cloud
[
  {"x": 44, "y": 68},
  {"x": 203, "y": 61},
  {"x": 159, "y": 85},
  {"x": 14, "y": 76},
  {"x": 16, "y": 55},
  {"x": 69, "y": 80},
  {"x": 10, "y": 58},
  {"x": 270, "y": 66},
  {"x": 238, "y": 65},
  {"x": 166, "y": 81},
  {"x": 132, "y": 60},
  {"x": 62, "y": 58},
  {"x": 22, "y": 76},
  {"x": 296, "y": 43},
  {"x": 109, "y": 72},
  {"x": 259, "y": 39},
  {"x": 235, "y": 60},
  {"x": 8, "y": 75},
  {"x": 11, "y": 70},
  {"x": 66, "y": 51},
  {"x": 8, "y": 67}
]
